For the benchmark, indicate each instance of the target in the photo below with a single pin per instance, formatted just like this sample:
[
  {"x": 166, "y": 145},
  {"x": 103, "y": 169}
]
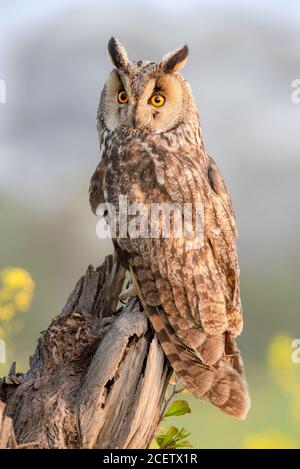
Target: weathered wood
[
  {"x": 6, "y": 429},
  {"x": 97, "y": 378}
]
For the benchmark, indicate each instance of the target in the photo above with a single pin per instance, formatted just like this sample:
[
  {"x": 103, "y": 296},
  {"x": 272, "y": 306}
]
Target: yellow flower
[
  {"x": 271, "y": 439},
  {"x": 5, "y": 295},
  {"x": 295, "y": 405},
  {"x": 280, "y": 354},
  {"x": 6, "y": 312},
  {"x": 282, "y": 368},
  {"x": 16, "y": 291},
  {"x": 14, "y": 278},
  {"x": 23, "y": 300},
  {"x": 287, "y": 377}
]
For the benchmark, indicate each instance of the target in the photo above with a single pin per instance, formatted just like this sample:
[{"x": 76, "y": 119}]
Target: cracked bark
[{"x": 97, "y": 378}]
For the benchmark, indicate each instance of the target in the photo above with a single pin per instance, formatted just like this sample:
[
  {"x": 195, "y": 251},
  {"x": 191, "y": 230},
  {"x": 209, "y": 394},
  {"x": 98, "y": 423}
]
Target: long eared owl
[{"x": 152, "y": 152}]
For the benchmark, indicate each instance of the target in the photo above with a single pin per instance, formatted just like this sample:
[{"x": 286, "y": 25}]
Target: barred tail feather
[
  {"x": 222, "y": 383},
  {"x": 210, "y": 367}
]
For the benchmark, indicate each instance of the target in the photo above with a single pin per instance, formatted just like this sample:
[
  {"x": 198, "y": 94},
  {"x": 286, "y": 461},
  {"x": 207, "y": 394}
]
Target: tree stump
[{"x": 97, "y": 378}]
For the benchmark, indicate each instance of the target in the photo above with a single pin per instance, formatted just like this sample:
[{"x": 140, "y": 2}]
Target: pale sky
[{"x": 17, "y": 13}]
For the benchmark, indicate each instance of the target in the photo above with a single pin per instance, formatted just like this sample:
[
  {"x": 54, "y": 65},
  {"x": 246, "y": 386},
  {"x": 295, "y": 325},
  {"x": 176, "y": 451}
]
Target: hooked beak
[
  {"x": 133, "y": 121},
  {"x": 137, "y": 120}
]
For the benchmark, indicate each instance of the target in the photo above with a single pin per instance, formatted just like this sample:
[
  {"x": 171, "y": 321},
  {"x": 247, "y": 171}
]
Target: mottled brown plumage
[{"x": 156, "y": 155}]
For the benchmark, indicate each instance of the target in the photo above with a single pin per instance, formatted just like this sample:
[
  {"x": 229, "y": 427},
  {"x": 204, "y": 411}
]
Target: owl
[{"x": 152, "y": 153}]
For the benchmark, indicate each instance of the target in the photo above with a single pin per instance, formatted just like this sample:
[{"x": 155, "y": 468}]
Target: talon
[{"x": 128, "y": 293}]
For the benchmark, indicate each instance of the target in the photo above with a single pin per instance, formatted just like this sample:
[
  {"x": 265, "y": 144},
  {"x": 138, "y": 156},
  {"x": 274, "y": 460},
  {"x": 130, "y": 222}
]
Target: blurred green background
[{"x": 243, "y": 59}]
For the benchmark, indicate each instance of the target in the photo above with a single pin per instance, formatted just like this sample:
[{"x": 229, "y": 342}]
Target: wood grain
[{"x": 97, "y": 378}]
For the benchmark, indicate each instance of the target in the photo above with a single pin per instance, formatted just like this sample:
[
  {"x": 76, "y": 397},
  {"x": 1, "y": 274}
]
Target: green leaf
[
  {"x": 161, "y": 436},
  {"x": 169, "y": 437},
  {"x": 183, "y": 433},
  {"x": 173, "y": 438},
  {"x": 183, "y": 444},
  {"x": 177, "y": 408}
]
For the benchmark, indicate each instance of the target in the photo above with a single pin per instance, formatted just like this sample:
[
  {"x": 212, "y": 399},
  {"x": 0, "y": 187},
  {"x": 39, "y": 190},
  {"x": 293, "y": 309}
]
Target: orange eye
[
  {"x": 122, "y": 97},
  {"x": 157, "y": 100}
]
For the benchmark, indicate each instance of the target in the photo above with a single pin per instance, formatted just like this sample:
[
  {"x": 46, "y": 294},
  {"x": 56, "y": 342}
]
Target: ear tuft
[
  {"x": 117, "y": 53},
  {"x": 176, "y": 60}
]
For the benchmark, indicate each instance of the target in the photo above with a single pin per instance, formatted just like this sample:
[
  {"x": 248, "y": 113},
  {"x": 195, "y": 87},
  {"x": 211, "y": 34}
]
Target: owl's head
[{"x": 144, "y": 95}]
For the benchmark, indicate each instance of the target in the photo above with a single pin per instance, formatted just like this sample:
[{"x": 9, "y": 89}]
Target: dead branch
[{"x": 97, "y": 378}]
